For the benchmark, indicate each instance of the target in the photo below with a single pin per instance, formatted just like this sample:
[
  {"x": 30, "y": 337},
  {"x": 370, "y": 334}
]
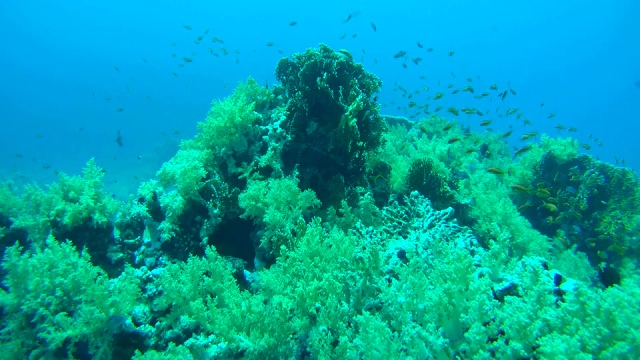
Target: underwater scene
[{"x": 324, "y": 180}]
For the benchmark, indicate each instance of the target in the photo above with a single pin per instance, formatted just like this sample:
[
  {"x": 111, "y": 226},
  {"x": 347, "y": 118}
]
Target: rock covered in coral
[{"x": 333, "y": 119}]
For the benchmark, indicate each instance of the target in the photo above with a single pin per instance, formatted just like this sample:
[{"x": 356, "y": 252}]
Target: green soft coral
[
  {"x": 280, "y": 205},
  {"x": 57, "y": 298},
  {"x": 230, "y": 121},
  {"x": 70, "y": 202},
  {"x": 198, "y": 171}
]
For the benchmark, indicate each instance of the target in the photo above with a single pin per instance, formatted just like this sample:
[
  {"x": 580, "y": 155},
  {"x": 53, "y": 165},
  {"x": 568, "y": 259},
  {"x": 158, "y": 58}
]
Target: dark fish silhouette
[{"x": 119, "y": 139}]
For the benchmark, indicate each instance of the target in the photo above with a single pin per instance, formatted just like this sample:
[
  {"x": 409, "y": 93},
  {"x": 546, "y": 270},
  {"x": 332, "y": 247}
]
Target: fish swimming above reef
[
  {"x": 399, "y": 54},
  {"x": 351, "y": 16},
  {"x": 119, "y": 138}
]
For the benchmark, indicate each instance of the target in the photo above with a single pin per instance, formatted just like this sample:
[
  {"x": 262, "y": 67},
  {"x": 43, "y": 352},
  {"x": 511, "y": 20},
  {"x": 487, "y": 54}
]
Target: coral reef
[
  {"x": 593, "y": 205},
  {"x": 301, "y": 223}
]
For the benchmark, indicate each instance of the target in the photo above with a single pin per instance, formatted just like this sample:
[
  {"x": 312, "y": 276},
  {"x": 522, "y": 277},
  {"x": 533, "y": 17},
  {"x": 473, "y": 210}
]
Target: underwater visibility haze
[{"x": 347, "y": 180}]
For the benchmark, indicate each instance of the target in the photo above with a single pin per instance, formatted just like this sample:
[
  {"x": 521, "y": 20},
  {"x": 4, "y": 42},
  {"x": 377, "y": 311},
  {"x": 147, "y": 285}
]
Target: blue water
[{"x": 68, "y": 67}]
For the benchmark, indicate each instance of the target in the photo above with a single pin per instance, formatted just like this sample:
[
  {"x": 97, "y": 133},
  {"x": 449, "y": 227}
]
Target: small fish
[
  {"x": 585, "y": 146},
  {"x": 468, "y": 88},
  {"x": 496, "y": 171},
  {"x": 451, "y": 53},
  {"x": 484, "y": 150},
  {"x": 521, "y": 188},
  {"x": 503, "y": 95},
  {"x": 187, "y": 27},
  {"x": 507, "y": 134},
  {"x": 380, "y": 182},
  {"x": 187, "y": 59},
  {"x": 419, "y": 44},
  {"x": 429, "y": 49},
  {"x": 343, "y": 36},
  {"x": 513, "y": 92},
  {"x": 493, "y": 87},
  {"x": 293, "y": 23},
  {"x": 551, "y": 116},
  {"x": 438, "y": 96},
  {"x": 270, "y": 44},
  {"x": 572, "y": 129},
  {"x": 399, "y": 54},
  {"x": 447, "y": 127},
  {"x": 374, "y": 27},
  {"x": 549, "y": 206},
  {"x": 346, "y": 53},
  {"x": 486, "y": 123},
  {"x": 349, "y": 17},
  {"x": 529, "y": 136},
  {"x": 453, "y": 140},
  {"x": 560, "y": 127},
  {"x": 119, "y": 138},
  {"x": 523, "y": 150},
  {"x": 453, "y": 111},
  {"x": 542, "y": 192},
  {"x": 524, "y": 207},
  {"x": 119, "y": 110}
]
